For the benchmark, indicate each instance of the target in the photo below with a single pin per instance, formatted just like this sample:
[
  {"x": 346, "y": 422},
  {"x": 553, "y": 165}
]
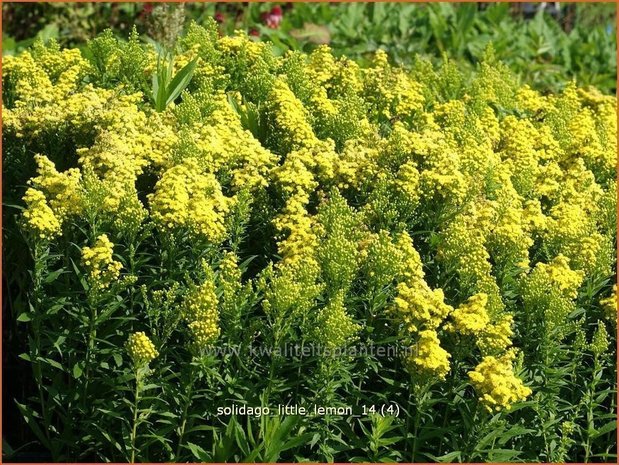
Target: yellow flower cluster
[
  {"x": 548, "y": 293},
  {"x": 102, "y": 268},
  {"x": 420, "y": 307},
  {"x": 301, "y": 243},
  {"x": 202, "y": 314},
  {"x": 609, "y": 304},
  {"x": 141, "y": 349},
  {"x": 62, "y": 190},
  {"x": 357, "y": 165},
  {"x": 230, "y": 276},
  {"x": 290, "y": 290},
  {"x": 471, "y": 317},
  {"x": 497, "y": 336},
  {"x": 387, "y": 259},
  {"x": 240, "y": 43},
  {"x": 571, "y": 232},
  {"x": 53, "y": 197},
  {"x": 44, "y": 74},
  {"x": 220, "y": 142},
  {"x": 464, "y": 245},
  {"x": 391, "y": 91},
  {"x": 421, "y": 310},
  {"x": 334, "y": 326},
  {"x": 39, "y": 218},
  {"x": 122, "y": 136},
  {"x": 411, "y": 268},
  {"x": 297, "y": 177},
  {"x": 290, "y": 118},
  {"x": 205, "y": 331},
  {"x": 407, "y": 182},
  {"x": 496, "y": 383},
  {"x": 428, "y": 356},
  {"x": 202, "y": 303},
  {"x": 558, "y": 275},
  {"x": 186, "y": 198}
]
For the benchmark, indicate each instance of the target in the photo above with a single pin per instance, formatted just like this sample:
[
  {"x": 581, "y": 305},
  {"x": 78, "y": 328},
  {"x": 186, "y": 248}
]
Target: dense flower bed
[{"x": 306, "y": 200}]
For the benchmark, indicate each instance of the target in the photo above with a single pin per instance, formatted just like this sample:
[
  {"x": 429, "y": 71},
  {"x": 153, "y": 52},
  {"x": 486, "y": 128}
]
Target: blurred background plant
[{"x": 547, "y": 44}]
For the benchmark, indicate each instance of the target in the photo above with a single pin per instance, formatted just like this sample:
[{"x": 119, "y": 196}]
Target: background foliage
[{"x": 546, "y": 47}]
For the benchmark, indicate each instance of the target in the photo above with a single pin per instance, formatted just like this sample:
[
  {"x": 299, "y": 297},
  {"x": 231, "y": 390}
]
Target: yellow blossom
[
  {"x": 428, "y": 356},
  {"x": 38, "y": 216},
  {"x": 496, "y": 384},
  {"x": 102, "y": 268},
  {"x": 141, "y": 349},
  {"x": 471, "y": 317}
]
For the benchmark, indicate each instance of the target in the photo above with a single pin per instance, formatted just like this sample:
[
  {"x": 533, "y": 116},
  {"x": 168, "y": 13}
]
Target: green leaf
[
  {"x": 50, "y": 31},
  {"x": 33, "y": 423},
  {"x": 313, "y": 33},
  {"x": 156, "y": 89},
  {"x": 180, "y": 81},
  {"x": 77, "y": 370},
  {"x": 51, "y": 362},
  {"x": 607, "y": 428},
  {"x": 23, "y": 317},
  {"x": 198, "y": 452},
  {"x": 51, "y": 277}
]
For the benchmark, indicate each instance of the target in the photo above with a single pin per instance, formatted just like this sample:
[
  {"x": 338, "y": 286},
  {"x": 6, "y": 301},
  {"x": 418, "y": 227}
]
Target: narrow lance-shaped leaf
[{"x": 180, "y": 81}]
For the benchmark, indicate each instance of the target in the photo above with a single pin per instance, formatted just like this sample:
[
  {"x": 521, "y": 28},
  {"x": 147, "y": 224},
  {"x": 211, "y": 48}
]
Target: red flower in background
[
  {"x": 254, "y": 32},
  {"x": 219, "y": 17},
  {"x": 273, "y": 17},
  {"x": 147, "y": 9}
]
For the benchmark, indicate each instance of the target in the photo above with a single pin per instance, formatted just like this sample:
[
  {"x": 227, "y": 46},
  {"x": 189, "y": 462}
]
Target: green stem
[
  {"x": 444, "y": 425},
  {"x": 40, "y": 264},
  {"x": 419, "y": 394},
  {"x": 92, "y": 334},
  {"x": 185, "y": 410},
  {"x": 589, "y": 396},
  {"x": 135, "y": 413},
  {"x": 408, "y": 417},
  {"x": 270, "y": 383},
  {"x": 276, "y": 339},
  {"x": 416, "y": 432}
]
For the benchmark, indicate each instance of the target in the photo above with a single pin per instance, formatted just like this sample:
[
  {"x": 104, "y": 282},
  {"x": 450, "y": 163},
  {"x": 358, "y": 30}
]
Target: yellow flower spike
[
  {"x": 204, "y": 332},
  {"x": 102, "y": 268},
  {"x": 496, "y": 337},
  {"x": 428, "y": 356},
  {"x": 559, "y": 274},
  {"x": 291, "y": 118},
  {"x": 418, "y": 306},
  {"x": 201, "y": 312},
  {"x": 495, "y": 382},
  {"x": 609, "y": 304},
  {"x": 38, "y": 217},
  {"x": 62, "y": 189},
  {"x": 141, "y": 349},
  {"x": 335, "y": 327},
  {"x": 202, "y": 303},
  {"x": 185, "y": 198},
  {"x": 471, "y": 317}
]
